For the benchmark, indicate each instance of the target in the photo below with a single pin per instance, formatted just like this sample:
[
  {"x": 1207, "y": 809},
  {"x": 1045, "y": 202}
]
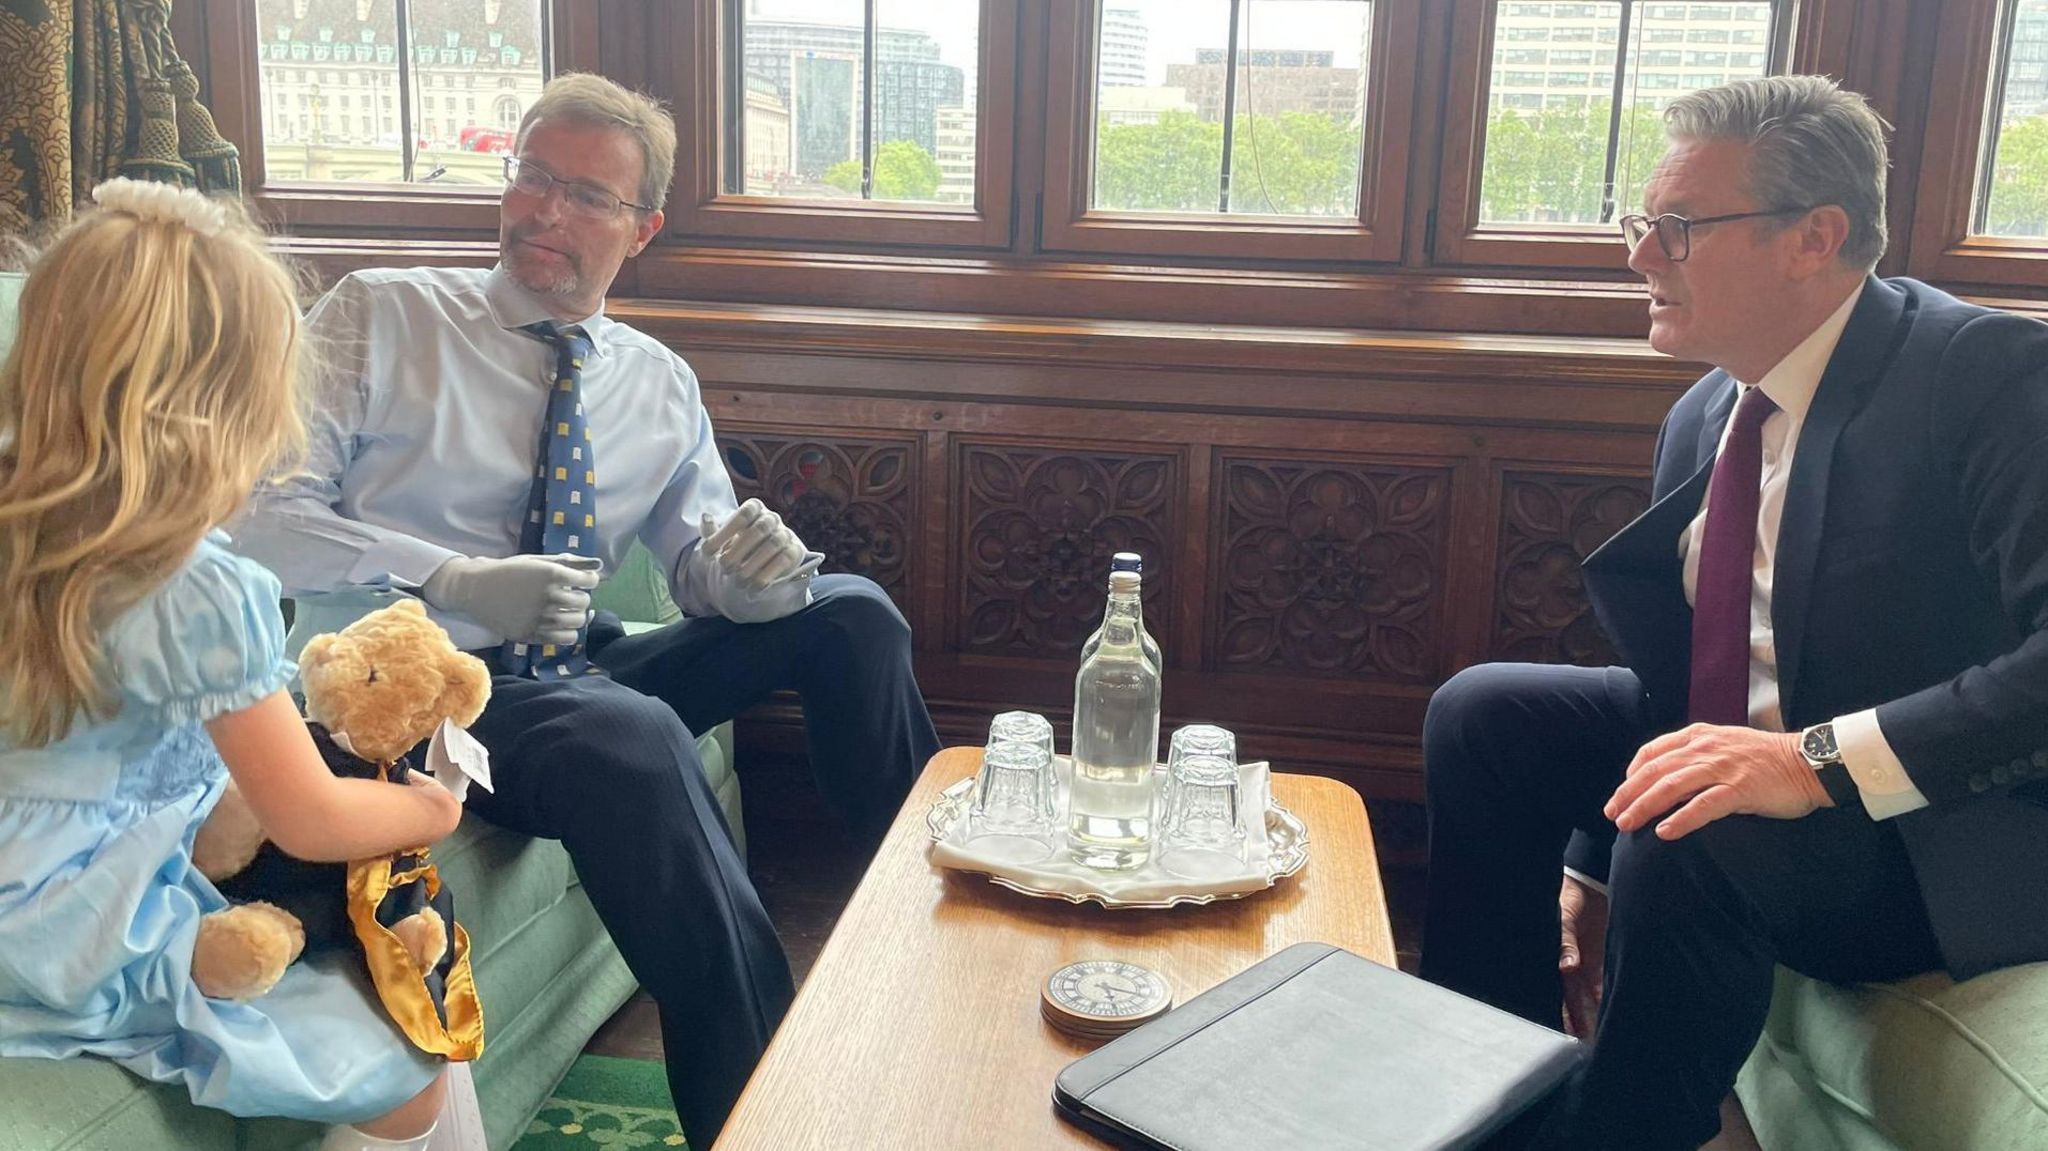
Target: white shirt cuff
[
  {"x": 398, "y": 561},
  {"x": 1887, "y": 789},
  {"x": 1588, "y": 880}
]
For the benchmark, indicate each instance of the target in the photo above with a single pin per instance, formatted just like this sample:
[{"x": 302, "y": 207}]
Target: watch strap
[{"x": 1840, "y": 787}]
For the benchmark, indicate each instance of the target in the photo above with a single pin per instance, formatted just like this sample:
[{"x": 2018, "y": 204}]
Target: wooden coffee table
[{"x": 919, "y": 1025}]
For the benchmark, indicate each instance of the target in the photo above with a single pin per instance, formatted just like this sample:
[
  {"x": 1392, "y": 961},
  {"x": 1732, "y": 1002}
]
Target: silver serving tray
[{"x": 1286, "y": 844}]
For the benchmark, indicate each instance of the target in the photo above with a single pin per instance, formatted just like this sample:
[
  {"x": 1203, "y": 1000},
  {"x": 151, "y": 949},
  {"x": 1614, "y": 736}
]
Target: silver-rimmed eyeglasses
[{"x": 587, "y": 200}]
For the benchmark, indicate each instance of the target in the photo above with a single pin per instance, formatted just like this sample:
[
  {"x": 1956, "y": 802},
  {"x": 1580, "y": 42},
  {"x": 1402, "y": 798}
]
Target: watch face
[
  {"x": 1108, "y": 989},
  {"x": 1819, "y": 742}
]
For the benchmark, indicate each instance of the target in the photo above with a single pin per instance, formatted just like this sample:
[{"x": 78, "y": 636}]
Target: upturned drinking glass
[
  {"x": 1202, "y": 834},
  {"x": 1012, "y": 815},
  {"x": 1203, "y": 739},
  {"x": 1026, "y": 727},
  {"x": 1193, "y": 739}
]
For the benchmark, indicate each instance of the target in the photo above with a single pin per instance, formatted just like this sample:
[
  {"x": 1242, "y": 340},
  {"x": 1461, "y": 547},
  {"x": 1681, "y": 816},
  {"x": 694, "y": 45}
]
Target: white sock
[
  {"x": 460, "y": 1126},
  {"x": 342, "y": 1137}
]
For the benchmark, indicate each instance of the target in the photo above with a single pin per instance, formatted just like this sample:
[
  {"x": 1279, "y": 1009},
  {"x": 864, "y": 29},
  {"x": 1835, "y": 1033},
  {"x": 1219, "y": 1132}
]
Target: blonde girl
[{"x": 154, "y": 380}]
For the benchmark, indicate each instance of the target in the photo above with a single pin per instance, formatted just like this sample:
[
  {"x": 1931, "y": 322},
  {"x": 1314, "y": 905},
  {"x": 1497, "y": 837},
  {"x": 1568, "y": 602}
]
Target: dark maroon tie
[{"x": 1720, "y": 609}]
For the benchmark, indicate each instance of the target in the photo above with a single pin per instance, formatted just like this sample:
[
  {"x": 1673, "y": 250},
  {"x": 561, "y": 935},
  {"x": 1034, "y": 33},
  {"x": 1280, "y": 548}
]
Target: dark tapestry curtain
[{"x": 91, "y": 89}]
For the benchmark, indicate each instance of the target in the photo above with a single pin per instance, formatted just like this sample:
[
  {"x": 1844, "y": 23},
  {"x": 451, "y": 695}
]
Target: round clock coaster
[{"x": 1103, "y": 998}]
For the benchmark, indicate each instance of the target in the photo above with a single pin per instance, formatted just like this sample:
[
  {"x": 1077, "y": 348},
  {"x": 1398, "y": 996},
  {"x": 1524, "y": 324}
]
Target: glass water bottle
[
  {"x": 1126, "y": 562},
  {"x": 1116, "y": 738}
]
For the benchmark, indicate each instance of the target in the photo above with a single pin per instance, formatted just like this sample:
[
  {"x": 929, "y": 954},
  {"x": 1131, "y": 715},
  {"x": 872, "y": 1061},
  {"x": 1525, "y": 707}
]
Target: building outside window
[{"x": 416, "y": 130}]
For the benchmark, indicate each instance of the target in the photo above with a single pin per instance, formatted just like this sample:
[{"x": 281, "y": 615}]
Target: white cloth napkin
[{"x": 1147, "y": 883}]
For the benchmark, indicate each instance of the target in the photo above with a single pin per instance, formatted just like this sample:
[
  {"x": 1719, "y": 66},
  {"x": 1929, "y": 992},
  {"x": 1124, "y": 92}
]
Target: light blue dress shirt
[{"x": 423, "y": 434}]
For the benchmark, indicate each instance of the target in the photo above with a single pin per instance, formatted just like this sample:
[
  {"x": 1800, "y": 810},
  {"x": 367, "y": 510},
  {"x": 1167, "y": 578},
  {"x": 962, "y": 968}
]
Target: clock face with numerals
[{"x": 1108, "y": 989}]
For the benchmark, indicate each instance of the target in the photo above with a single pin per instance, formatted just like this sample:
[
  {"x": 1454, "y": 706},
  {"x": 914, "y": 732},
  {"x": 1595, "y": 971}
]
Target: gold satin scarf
[{"x": 400, "y": 983}]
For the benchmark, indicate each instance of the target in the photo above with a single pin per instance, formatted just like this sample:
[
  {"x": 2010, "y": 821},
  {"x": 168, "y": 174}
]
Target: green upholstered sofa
[
  {"x": 546, "y": 971},
  {"x": 1924, "y": 1064}
]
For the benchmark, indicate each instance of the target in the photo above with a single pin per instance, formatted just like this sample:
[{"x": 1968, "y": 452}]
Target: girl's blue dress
[{"x": 100, "y": 903}]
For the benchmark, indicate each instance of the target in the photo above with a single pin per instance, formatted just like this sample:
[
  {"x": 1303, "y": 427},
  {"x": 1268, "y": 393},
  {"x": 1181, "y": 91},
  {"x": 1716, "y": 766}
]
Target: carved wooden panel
[
  {"x": 1331, "y": 568},
  {"x": 1038, "y": 526},
  {"x": 1549, "y": 524},
  {"x": 852, "y": 499}
]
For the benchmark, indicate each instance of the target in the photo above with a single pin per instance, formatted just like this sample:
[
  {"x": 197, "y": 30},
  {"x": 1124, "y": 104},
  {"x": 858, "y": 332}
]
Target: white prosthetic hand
[
  {"x": 526, "y": 599},
  {"x": 752, "y": 568}
]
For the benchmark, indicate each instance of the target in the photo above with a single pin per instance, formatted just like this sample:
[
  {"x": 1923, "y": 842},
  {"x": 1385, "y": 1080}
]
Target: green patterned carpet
[{"x": 614, "y": 1104}]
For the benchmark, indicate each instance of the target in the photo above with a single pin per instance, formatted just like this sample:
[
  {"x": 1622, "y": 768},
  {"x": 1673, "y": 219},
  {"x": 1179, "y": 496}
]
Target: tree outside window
[
  {"x": 2012, "y": 186},
  {"x": 1244, "y": 107}
]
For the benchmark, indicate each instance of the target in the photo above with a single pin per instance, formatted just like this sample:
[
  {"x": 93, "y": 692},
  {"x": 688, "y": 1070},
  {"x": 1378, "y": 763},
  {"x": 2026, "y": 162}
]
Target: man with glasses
[
  {"x": 488, "y": 441},
  {"x": 1829, "y": 746}
]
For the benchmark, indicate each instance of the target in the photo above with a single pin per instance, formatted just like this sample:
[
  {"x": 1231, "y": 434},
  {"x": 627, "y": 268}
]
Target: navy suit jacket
[{"x": 1912, "y": 576}]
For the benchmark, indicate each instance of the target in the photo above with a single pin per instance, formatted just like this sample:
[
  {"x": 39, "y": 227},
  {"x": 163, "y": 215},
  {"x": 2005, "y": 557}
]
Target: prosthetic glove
[
  {"x": 526, "y": 599},
  {"x": 752, "y": 568}
]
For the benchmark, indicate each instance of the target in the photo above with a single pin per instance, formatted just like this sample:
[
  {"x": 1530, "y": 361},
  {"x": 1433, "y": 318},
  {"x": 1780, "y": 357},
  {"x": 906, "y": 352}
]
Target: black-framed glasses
[
  {"x": 587, "y": 200},
  {"x": 1674, "y": 232}
]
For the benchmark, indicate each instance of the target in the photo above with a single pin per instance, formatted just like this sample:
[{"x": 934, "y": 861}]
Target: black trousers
[
  {"x": 608, "y": 765},
  {"x": 1517, "y": 756}
]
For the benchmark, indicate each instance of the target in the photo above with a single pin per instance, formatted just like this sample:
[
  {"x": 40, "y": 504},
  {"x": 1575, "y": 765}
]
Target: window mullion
[
  {"x": 1229, "y": 109},
  {"x": 547, "y": 41},
  {"x": 1994, "y": 105},
  {"x": 1779, "y": 59},
  {"x": 1614, "y": 113},
  {"x": 733, "y": 56},
  {"x": 410, "y": 141},
  {"x": 867, "y": 101}
]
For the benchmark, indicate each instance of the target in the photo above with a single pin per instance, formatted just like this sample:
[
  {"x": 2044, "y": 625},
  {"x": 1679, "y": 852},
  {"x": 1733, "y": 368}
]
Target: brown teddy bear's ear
[
  {"x": 410, "y": 606},
  {"x": 316, "y": 652},
  {"x": 467, "y": 687}
]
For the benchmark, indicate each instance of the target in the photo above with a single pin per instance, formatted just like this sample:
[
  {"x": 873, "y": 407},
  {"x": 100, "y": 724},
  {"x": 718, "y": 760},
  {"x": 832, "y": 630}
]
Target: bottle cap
[{"x": 1127, "y": 562}]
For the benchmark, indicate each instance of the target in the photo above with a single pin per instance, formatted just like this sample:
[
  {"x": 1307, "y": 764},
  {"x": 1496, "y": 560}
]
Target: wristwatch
[{"x": 1818, "y": 747}]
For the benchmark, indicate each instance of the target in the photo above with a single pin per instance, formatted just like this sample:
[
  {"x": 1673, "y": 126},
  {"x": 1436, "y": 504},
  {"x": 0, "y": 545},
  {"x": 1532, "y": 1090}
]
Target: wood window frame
[
  {"x": 1818, "y": 43},
  {"x": 701, "y": 209},
  {"x": 229, "y": 33},
  {"x": 1943, "y": 247},
  {"x": 1070, "y": 223}
]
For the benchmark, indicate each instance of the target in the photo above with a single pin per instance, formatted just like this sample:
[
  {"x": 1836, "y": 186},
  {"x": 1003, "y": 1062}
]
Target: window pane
[
  {"x": 479, "y": 65},
  {"x": 1550, "y": 117},
  {"x": 801, "y": 128},
  {"x": 925, "y": 70},
  {"x": 2014, "y": 186},
  {"x": 1546, "y": 132},
  {"x": 1295, "y": 145},
  {"x": 332, "y": 108}
]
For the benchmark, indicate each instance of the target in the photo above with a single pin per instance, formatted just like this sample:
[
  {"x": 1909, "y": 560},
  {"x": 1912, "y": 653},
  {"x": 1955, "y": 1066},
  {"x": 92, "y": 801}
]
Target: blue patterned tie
[{"x": 562, "y": 514}]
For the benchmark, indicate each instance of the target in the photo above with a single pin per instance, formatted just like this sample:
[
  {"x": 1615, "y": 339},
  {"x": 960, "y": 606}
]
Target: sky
[{"x": 1176, "y": 28}]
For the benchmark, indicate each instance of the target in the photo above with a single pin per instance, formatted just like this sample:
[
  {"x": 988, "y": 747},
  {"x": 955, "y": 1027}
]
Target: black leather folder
[{"x": 1316, "y": 1048}]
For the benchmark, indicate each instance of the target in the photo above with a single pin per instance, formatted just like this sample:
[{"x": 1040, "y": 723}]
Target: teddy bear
[{"x": 373, "y": 691}]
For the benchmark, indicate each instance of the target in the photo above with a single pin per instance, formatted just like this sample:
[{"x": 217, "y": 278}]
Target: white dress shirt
[
  {"x": 1871, "y": 762},
  {"x": 423, "y": 435}
]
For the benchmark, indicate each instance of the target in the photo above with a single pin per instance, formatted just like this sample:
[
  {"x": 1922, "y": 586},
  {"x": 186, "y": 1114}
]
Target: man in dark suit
[{"x": 1829, "y": 746}]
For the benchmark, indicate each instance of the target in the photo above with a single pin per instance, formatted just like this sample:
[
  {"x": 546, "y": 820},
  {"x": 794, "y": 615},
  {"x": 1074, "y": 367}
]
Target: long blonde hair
[{"x": 155, "y": 380}]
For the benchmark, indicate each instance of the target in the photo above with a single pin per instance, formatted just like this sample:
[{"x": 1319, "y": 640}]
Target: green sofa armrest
[
  {"x": 1924, "y": 1064},
  {"x": 637, "y": 593}
]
